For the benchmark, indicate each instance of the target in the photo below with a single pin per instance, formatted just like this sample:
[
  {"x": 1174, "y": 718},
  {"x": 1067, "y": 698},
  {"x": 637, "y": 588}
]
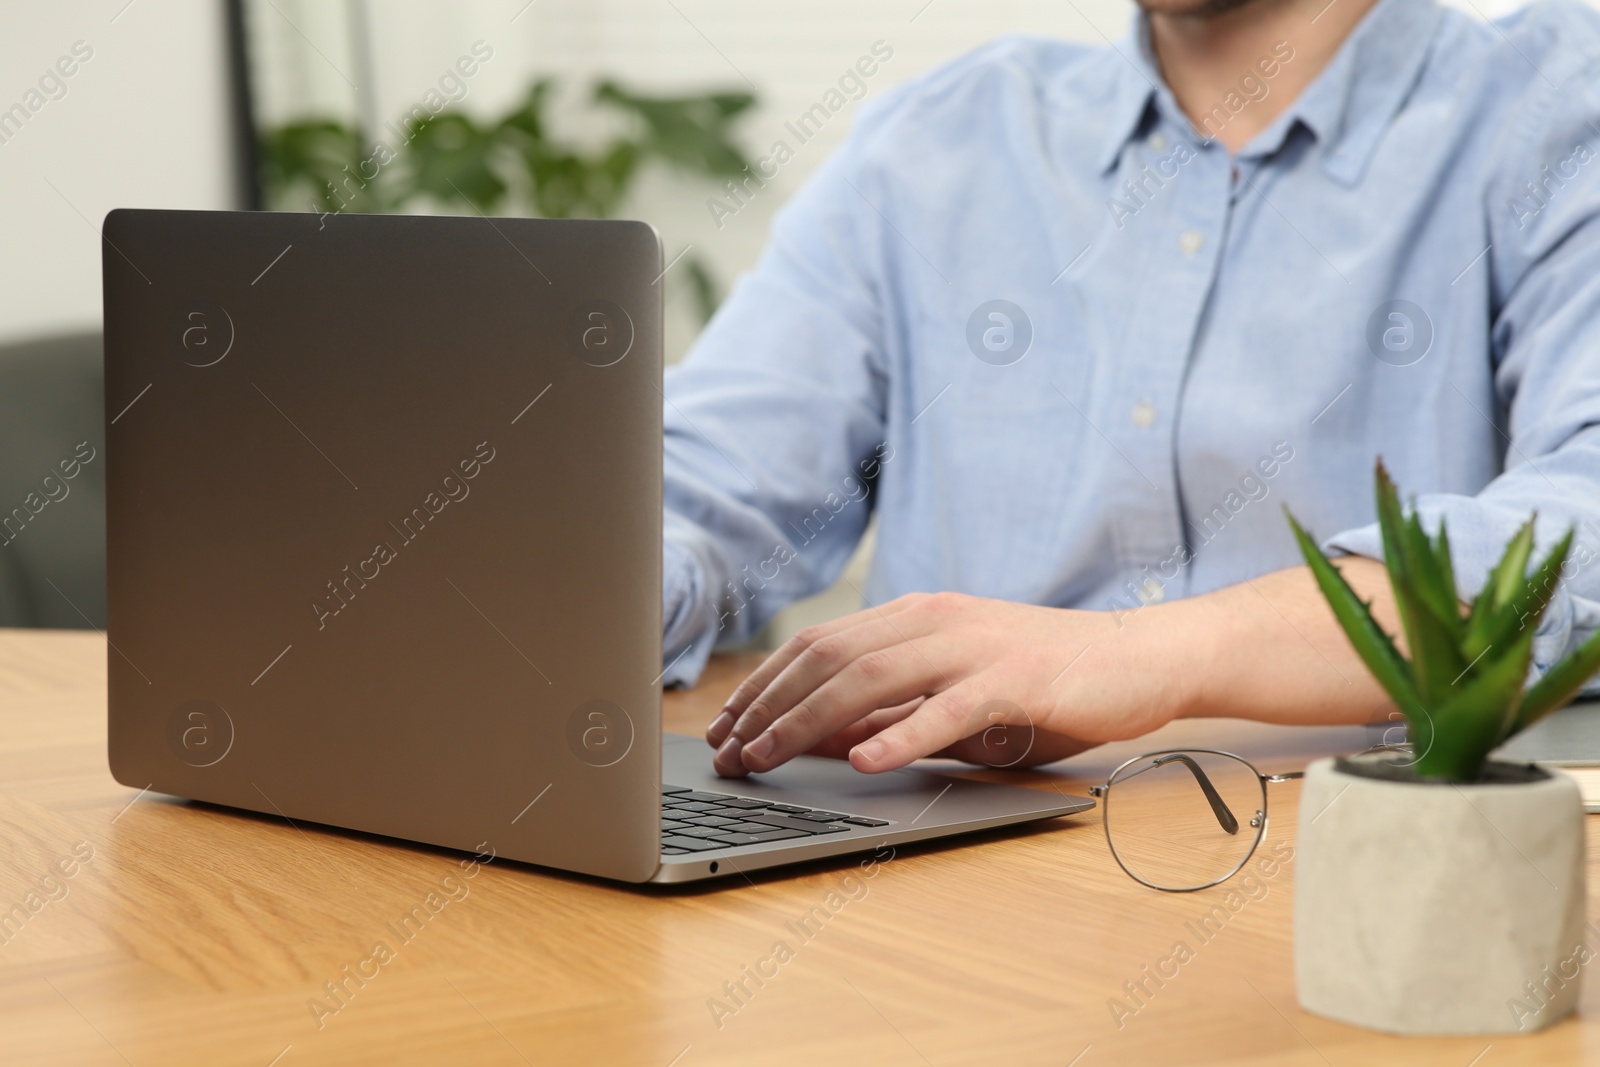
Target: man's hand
[
  {"x": 936, "y": 674},
  {"x": 1007, "y": 684}
]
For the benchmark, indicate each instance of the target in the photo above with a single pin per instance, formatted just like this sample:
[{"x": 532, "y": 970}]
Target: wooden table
[{"x": 194, "y": 934}]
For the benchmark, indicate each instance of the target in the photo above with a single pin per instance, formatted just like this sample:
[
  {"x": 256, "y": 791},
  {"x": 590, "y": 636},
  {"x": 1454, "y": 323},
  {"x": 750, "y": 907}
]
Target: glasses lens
[{"x": 1184, "y": 820}]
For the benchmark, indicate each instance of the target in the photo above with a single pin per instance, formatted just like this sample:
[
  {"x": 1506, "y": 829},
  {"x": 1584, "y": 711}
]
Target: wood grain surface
[{"x": 140, "y": 929}]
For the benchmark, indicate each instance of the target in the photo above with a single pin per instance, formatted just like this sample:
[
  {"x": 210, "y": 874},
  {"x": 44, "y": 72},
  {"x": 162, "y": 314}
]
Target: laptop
[{"x": 384, "y": 550}]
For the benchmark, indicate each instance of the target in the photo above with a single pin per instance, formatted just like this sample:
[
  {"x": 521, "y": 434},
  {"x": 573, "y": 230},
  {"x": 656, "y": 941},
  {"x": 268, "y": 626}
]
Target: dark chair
[{"x": 52, "y": 483}]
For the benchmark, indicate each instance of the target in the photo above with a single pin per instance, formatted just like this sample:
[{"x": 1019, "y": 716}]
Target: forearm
[{"x": 1270, "y": 649}]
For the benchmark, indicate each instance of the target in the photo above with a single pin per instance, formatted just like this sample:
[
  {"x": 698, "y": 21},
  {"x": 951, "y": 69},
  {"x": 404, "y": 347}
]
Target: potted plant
[
  {"x": 1441, "y": 891},
  {"x": 515, "y": 163}
]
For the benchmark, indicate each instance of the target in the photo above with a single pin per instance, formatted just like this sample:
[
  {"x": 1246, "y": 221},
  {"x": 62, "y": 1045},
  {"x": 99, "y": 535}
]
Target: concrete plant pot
[{"x": 1425, "y": 907}]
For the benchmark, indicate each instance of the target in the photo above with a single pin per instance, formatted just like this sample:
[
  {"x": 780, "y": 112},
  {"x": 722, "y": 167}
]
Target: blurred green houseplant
[
  {"x": 1461, "y": 692},
  {"x": 514, "y": 164}
]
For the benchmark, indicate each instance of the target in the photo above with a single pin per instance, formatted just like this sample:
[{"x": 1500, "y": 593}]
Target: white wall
[{"x": 143, "y": 123}]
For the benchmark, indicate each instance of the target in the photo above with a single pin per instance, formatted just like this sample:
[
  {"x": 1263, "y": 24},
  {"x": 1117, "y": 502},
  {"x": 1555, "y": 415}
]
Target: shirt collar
[
  {"x": 1350, "y": 104},
  {"x": 1346, "y": 107},
  {"x": 1137, "y": 83}
]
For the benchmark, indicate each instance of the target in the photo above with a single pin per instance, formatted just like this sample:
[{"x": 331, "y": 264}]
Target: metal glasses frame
[{"x": 1225, "y": 816}]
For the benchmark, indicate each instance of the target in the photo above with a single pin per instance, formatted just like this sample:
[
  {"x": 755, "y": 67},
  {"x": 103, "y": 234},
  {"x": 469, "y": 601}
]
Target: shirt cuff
[{"x": 686, "y": 642}]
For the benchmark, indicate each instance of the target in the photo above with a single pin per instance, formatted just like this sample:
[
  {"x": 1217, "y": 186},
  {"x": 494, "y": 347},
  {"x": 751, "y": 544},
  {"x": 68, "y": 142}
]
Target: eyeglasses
[{"x": 1174, "y": 825}]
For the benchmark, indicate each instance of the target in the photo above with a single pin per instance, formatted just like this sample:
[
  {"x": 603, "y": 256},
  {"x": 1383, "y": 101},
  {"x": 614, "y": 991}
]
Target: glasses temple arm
[{"x": 1218, "y": 806}]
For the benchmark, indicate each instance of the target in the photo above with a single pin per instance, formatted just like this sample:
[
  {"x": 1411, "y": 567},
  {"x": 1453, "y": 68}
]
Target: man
[{"x": 1078, "y": 322}]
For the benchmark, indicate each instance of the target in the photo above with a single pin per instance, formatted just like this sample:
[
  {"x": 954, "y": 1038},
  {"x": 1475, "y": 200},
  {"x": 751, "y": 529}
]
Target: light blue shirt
[{"x": 1073, "y": 353}]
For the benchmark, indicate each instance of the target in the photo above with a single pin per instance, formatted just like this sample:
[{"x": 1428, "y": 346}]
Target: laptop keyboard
[{"x": 702, "y": 822}]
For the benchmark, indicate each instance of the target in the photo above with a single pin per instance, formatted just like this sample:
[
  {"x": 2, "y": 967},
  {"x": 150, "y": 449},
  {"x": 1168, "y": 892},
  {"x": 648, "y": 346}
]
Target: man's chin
[{"x": 1199, "y": 9}]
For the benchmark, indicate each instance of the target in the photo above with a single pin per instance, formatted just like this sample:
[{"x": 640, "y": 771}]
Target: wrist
[
  {"x": 1202, "y": 637},
  {"x": 1186, "y": 639}
]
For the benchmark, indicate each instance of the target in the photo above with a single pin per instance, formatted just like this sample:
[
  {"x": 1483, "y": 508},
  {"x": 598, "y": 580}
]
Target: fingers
[
  {"x": 939, "y": 723},
  {"x": 820, "y": 659},
  {"x": 815, "y": 658},
  {"x": 717, "y": 733},
  {"x": 726, "y": 760},
  {"x": 837, "y": 745},
  {"x": 1008, "y": 746},
  {"x": 882, "y": 678}
]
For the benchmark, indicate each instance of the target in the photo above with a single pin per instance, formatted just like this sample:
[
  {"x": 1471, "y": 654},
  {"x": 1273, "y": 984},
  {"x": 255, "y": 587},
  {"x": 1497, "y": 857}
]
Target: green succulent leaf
[
  {"x": 1434, "y": 583},
  {"x": 1525, "y": 607},
  {"x": 1477, "y": 716},
  {"x": 1501, "y": 584},
  {"x": 1559, "y": 684},
  {"x": 1389, "y": 524},
  {"x": 1371, "y": 643},
  {"x": 1441, "y": 549},
  {"x": 1436, "y": 660},
  {"x": 1435, "y": 653}
]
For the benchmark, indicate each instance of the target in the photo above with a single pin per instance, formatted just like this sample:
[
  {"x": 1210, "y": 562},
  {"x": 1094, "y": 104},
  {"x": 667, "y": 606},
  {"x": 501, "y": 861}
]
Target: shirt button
[
  {"x": 1158, "y": 142},
  {"x": 1191, "y": 241},
  {"x": 1152, "y": 591},
  {"x": 1143, "y": 415}
]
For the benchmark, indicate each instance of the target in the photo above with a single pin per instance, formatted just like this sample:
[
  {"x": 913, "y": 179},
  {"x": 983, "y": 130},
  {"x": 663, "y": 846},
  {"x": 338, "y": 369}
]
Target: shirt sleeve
[
  {"x": 775, "y": 425},
  {"x": 1545, "y": 262}
]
